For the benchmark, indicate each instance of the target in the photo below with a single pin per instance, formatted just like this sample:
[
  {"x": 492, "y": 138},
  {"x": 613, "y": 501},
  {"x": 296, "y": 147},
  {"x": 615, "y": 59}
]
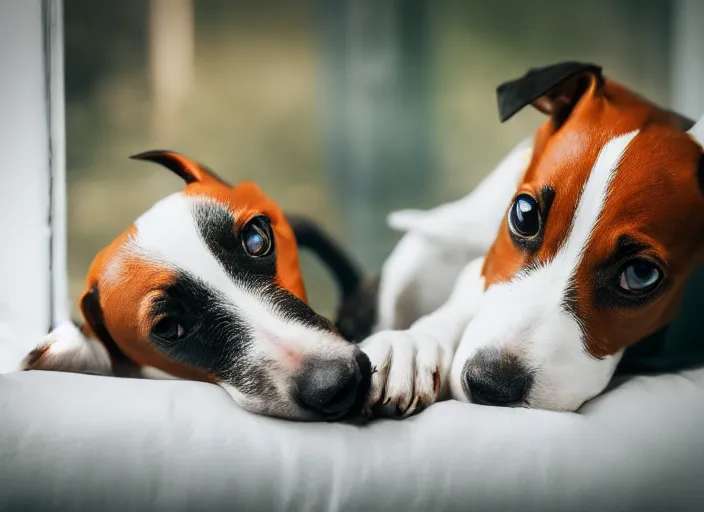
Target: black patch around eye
[
  {"x": 211, "y": 332},
  {"x": 700, "y": 172},
  {"x": 608, "y": 293},
  {"x": 220, "y": 318},
  {"x": 531, "y": 245},
  {"x": 217, "y": 228},
  {"x": 216, "y": 340}
]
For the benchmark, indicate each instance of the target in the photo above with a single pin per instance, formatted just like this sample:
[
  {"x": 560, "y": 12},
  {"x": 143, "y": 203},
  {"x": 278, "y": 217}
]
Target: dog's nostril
[
  {"x": 328, "y": 387},
  {"x": 496, "y": 378}
]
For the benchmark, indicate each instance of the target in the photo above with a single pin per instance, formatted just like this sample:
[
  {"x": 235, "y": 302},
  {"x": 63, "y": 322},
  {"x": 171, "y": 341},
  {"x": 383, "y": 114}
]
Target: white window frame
[{"x": 33, "y": 271}]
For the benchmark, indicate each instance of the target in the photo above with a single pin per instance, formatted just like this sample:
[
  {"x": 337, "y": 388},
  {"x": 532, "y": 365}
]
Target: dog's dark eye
[
  {"x": 169, "y": 329},
  {"x": 256, "y": 237},
  {"x": 524, "y": 216},
  {"x": 639, "y": 276}
]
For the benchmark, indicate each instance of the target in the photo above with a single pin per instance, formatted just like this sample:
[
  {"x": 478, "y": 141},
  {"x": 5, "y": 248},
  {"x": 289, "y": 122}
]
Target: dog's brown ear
[
  {"x": 553, "y": 90},
  {"x": 189, "y": 170},
  {"x": 94, "y": 327}
]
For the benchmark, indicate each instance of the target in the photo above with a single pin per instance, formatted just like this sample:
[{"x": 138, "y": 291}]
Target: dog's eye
[
  {"x": 639, "y": 276},
  {"x": 256, "y": 237},
  {"x": 524, "y": 216},
  {"x": 169, "y": 329}
]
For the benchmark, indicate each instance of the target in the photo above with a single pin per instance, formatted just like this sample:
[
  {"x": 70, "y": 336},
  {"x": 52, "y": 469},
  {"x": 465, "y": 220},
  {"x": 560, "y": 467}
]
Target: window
[{"x": 341, "y": 110}]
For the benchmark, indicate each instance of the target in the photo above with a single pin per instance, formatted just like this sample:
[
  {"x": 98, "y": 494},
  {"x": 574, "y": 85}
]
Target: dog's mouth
[{"x": 366, "y": 370}]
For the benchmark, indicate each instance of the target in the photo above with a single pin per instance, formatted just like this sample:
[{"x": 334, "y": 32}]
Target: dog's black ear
[
  {"x": 553, "y": 90},
  {"x": 188, "y": 170},
  {"x": 95, "y": 327}
]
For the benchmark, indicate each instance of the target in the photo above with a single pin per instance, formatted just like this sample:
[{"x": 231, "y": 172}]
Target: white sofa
[{"x": 76, "y": 442}]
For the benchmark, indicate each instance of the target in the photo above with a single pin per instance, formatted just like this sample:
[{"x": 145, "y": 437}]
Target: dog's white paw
[
  {"x": 409, "y": 372},
  {"x": 66, "y": 349}
]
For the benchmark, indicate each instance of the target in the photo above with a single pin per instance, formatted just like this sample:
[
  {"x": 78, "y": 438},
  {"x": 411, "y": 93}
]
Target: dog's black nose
[
  {"x": 493, "y": 377},
  {"x": 329, "y": 387}
]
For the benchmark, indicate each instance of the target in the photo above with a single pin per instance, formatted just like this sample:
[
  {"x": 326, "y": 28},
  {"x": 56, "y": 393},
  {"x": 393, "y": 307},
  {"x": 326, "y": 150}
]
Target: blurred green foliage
[{"x": 265, "y": 105}]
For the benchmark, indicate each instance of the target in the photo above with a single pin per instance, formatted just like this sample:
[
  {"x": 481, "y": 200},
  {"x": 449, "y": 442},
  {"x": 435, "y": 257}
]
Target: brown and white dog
[
  {"x": 206, "y": 286},
  {"x": 576, "y": 247}
]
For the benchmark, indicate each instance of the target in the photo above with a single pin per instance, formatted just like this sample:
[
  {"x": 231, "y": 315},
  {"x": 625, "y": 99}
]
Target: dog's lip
[{"x": 363, "y": 386}]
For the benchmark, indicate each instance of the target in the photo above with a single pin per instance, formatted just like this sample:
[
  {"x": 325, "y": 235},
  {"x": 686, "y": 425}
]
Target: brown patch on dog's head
[
  {"x": 651, "y": 199},
  {"x": 599, "y": 240}
]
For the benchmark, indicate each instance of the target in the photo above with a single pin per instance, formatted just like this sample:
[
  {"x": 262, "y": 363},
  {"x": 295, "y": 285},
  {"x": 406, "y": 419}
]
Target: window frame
[{"x": 33, "y": 273}]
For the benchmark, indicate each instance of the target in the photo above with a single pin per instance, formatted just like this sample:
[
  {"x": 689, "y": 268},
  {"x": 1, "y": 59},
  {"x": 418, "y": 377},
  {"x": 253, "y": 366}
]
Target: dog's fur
[
  {"x": 206, "y": 286},
  {"x": 471, "y": 307}
]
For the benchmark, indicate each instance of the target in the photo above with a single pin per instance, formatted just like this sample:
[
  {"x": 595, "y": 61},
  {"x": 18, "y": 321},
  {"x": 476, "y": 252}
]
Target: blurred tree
[
  {"x": 376, "y": 113},
  {"x": 171, "y": 60},
  {"x": 92, "y": 51}
]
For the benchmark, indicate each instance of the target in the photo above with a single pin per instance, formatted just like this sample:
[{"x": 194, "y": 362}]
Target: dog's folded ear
[
  {"x": 553, "y": 90},
  {"x": 187, "y": 169},
  {"x": 94, "y": 327}
]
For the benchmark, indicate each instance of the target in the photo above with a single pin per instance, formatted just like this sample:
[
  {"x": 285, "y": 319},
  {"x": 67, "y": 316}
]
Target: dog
[
  {"x": 577, "y": 247},
  {"x": 206, "y": 286}
]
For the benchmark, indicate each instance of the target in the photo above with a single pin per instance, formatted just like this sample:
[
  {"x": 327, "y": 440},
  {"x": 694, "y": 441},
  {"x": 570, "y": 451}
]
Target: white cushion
[{"x": 72, "y": 442}]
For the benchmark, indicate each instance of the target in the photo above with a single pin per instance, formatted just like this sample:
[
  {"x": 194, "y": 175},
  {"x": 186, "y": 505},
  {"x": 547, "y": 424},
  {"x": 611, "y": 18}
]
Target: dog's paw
[
  {"x": 408, "y": 373},
  {"x": 66, "y": 349},
  {"x": 64, "y": 339}
]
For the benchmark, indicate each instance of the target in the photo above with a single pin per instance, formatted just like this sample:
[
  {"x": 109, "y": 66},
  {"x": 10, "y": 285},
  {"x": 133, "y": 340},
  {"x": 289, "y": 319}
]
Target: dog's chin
[
  {"x": 277, "y": 408},
  {"x": 556, "y": 402},
  {"x": 543, "y": 402},
  {"x": 281, "y": 399},
  {"x": 287, "y": 409}
]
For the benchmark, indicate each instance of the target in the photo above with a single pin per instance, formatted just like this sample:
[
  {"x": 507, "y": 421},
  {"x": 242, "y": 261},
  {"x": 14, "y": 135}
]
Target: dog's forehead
[
  {"x": 662, "y": 159},
  {"x": 172, "y": 219},
  {"x": 654, "y": 197},
  {"x": 246, "y": 198},
  {"x": 653, "y": 185},
  {"x": 652, "y": 180}
]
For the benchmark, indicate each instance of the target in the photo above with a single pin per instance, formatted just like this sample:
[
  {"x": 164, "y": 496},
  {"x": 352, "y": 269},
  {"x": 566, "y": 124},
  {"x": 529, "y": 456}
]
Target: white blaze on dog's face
[
  {"x": 593, "y": 252},
  {"x": 206, "y": 286}
]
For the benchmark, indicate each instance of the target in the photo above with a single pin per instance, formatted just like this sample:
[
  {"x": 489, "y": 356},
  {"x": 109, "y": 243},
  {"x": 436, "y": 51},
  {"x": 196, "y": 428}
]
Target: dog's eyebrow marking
[
  {"x": 547, "y": 196},
  {"x": 626, "y": 246},
  {"x": 592, "y": 199}
]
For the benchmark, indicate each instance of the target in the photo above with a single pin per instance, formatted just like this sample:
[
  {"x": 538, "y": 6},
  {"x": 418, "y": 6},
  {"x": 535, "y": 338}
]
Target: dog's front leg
[
  {"x": 413, "y": 365},
  {"x": 66, "y": 349}
]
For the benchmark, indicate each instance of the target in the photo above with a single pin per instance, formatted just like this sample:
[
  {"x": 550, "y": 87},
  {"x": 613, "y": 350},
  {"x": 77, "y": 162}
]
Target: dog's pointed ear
[
  {"x": 187, "y": 169},
  {"x": 553, "y": 90}
]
